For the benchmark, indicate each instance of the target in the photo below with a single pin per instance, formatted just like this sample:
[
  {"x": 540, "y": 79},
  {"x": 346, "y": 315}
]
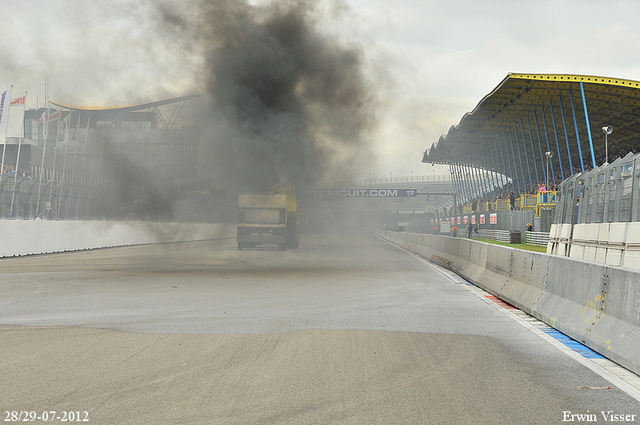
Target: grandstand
[
  {"x": 535, "y": 131},
  {"x": 527, "y": 115},
  {"x": 101, "y": 163}
]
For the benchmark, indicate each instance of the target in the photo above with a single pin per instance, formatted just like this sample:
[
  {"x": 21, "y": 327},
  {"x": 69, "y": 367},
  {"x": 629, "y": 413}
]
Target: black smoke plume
[{"x": 289, "y": 102}]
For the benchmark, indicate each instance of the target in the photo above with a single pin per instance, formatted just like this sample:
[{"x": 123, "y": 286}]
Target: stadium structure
[
  {"x": 543, "y": 128},
  {"x": 538, "y": 140},
  {"x": 131, "y": 162}
]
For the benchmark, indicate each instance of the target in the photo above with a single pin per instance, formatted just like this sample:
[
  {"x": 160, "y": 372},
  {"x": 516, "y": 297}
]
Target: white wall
[{"x": 25, "y": 237}]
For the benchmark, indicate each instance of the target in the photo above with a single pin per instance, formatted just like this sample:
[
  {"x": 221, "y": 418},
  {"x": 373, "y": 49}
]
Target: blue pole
[
  {"x": 503, "y": 169},
  {"x": 455, "y": 180},
  {"x": 495, "y": 164},
  {"x": 586, "y": 117},
  {"x": 566, "y": 135},
  {"x": 465, "y": 181},
  {"x": 555, "y": 132},
  {"x": 461, "y": 183},
  {"x": 472, "y": 176},
  {"x": 508, "y": 161},
  {"x": 575, "y": 124},
  {"x": 533, "y": 149},
  {"x": 495, "y": 167},
  {"x": 487, "y": 174},
  {"x": 523, "y": 181},
  {"x": 481, "y": 170},
  {"x": 524, "y": 145},
  {"x": 453, "y": 183}
]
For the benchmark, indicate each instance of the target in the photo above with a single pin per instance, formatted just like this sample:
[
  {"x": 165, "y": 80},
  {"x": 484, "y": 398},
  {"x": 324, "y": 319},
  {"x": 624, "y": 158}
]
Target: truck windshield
[{"x": 262, "y": 216}]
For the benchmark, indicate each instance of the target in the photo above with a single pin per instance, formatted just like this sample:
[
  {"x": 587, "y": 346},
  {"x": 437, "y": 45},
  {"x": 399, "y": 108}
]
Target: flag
[
  {"x": 66, "y": 122},
  {"x": 45, "y": 122},
  {"x": 5, "y": 100},
  {"x": 19, "y": 101},
  {"x": 76, "y": 129},
  {"x": 52, "y": 117},
  {"x": 86, "y": 133}
]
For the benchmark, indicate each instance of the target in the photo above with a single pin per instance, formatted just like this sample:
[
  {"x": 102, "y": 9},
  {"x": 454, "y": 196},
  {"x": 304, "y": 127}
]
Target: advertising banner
[{"x": 5, "y": 101}]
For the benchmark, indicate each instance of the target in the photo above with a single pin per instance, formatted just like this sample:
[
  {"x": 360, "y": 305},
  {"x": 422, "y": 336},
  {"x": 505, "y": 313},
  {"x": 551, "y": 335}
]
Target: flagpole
[
  {"x": 84, "y": 152},
  {"x": 73, "y": 169},
  {"x": 67, "y": 140},
  {"x": 4, "y": 151},
  {"x": 6, "y": 131},
  {"x": 15, "y": 181},
  {"x": 44, "y": 151},
  {"x": 53, "y": 167}
]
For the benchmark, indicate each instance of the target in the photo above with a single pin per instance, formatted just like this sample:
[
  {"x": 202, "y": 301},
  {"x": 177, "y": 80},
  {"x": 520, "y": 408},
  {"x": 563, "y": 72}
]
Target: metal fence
[{"x": 609, "y": 193}]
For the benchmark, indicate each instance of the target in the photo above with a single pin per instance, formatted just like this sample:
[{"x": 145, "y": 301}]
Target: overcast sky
[{"x": 435, "y": 60}]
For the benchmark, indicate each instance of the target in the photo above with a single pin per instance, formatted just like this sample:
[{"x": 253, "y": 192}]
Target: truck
[{"x": 267, "y": 219}]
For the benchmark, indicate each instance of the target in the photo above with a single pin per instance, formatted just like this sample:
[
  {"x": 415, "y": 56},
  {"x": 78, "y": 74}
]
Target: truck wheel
[
  {"x": 239, "y": 246},
  {"x": 283, "y": 247}
]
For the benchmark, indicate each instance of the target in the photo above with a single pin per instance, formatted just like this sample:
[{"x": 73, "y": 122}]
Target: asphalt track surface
[{"x": 346, "y": 329}]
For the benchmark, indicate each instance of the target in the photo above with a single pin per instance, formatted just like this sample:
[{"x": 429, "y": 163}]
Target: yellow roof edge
[
  {"x": 93, "y": 108},
  {"x": 129, "y": 107},
  {"x": 574, "y": 78}
]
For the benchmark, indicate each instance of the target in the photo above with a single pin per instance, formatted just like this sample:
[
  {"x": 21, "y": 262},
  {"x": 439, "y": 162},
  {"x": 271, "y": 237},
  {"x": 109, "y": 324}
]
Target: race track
[{"x": 346, "y": 329}]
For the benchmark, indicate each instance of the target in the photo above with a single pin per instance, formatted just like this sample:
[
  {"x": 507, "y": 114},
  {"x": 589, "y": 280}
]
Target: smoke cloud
[
  {"x": 289, "y": 102},
  {"x": 284, "y": 93}
]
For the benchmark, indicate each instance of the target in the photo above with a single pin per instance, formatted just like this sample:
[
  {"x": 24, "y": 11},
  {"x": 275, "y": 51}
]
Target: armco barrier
[
  {"x": 596, "y": 304},
  {"x": 26, "y": 237}
]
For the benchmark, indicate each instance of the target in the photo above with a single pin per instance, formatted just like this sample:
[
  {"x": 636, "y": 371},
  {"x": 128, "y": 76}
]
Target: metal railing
[
  {"x": 531, "y": 238},
  {"x": 391, "y": 180}
]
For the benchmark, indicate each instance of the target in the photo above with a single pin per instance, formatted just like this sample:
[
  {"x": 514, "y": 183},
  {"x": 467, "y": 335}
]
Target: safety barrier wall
[
  {"x": 615, "y": 244},
  {"x": 26, "y": 237},
  {"x": 596, "y": 304}
]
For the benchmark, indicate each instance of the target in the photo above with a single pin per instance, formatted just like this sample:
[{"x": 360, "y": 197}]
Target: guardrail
[{"x": 390, "y": 180}]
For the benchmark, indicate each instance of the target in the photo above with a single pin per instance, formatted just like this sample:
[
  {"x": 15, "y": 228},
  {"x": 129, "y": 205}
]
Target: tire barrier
[
  {"x": 596, "y": 304},
  {"x": 27, "y": 237}
]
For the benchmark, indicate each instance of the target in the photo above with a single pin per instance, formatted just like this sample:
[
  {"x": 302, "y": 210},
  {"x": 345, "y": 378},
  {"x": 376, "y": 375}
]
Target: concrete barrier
[
  {"x": 596, "y": 304},
  {"x": 615, "y": 244},
  {"x": 26, "y": 237},
  {"x": 552, "y": 245}
]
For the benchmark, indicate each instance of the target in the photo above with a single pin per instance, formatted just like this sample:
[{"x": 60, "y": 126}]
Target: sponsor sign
[
  {"x": 473, "y": 219},
  {"x": 493, "y": 218},
  {"x": 482, "y": 219},
  {"x": 365, "y": 193}
]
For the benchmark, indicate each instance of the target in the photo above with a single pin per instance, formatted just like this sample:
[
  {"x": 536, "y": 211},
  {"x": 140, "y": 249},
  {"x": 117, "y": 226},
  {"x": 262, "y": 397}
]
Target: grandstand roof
[
  {"x": 527, "y": 110},
  {"x": 129, "y": 108},
  {"x": 131, "y": 113}
]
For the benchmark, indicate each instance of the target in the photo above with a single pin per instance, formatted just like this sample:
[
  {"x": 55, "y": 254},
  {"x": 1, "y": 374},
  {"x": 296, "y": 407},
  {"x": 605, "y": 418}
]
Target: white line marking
[{"x": 617, "y": 375}]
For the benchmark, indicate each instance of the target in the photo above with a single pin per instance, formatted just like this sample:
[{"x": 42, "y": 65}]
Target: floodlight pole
[
  {"x": 548, "y": 155},
  {"x": 606, "y": 130}
]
